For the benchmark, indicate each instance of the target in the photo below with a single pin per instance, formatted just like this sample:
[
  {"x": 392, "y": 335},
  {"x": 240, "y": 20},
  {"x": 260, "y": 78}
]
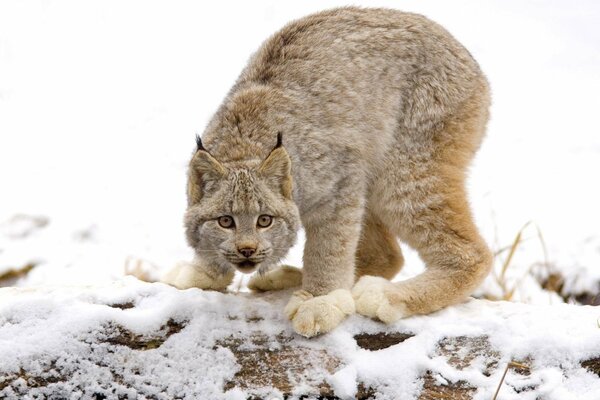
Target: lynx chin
[{"x": 359, "y": 125}]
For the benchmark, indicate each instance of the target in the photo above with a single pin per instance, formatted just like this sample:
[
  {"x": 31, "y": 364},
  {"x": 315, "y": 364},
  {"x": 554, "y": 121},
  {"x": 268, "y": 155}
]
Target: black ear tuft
[
  {"x": 199, "y": 145},
  {"x": 279, "y": 140}
]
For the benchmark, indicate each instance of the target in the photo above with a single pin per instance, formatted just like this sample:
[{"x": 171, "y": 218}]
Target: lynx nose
[{"x": 247, "y": 251}]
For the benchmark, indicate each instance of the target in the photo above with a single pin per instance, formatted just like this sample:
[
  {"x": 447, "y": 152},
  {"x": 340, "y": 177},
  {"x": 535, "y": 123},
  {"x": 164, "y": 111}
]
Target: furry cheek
[
  {"x": 280, "y": 237},
  {"x": 211, "y": 236}
]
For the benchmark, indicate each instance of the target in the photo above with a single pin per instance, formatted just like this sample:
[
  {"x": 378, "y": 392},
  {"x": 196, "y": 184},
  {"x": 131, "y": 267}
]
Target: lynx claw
[
  {"x": 281, "y": 278},
  {"x": 311, "y": 316},
  {"x": 370, "y": 295},
  {"x": 187, "y": 275}
]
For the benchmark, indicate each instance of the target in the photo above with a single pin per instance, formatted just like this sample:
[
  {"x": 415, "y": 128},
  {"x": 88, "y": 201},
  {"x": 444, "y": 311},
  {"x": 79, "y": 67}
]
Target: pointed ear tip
[{"x": 199, "y": 145}]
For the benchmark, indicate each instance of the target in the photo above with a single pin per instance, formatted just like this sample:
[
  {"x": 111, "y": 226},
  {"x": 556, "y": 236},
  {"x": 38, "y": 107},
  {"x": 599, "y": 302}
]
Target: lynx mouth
[{"x": 246, "y": 266}]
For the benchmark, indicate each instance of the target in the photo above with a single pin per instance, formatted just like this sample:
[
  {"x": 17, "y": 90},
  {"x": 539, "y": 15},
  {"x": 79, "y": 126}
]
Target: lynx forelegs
[
  {"x": 328, "y": 273},
  {"x": 197, "y": 274}
]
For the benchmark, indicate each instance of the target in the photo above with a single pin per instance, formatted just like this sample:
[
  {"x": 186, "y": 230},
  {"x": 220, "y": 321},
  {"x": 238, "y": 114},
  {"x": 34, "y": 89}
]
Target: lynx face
[{"x": 241, "y": 217}]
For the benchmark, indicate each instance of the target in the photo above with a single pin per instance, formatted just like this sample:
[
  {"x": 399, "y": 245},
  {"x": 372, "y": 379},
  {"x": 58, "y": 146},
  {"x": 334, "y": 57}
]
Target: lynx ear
[
  {"x": 277, "y": 168},
  {"x": 203, "y": 168}
]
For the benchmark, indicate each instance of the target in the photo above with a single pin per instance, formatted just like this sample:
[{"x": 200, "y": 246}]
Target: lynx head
[{"x": 241, "y": 216}]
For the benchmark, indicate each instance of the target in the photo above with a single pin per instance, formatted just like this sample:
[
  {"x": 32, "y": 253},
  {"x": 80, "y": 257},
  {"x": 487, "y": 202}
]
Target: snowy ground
[
  {"x": 100, "y": 101},
  {"x": 72, "y": 344}
]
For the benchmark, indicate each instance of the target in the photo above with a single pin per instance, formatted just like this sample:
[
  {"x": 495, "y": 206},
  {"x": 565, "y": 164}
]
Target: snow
[
  {"x": 344, "y": 382},
  {"x": 58, "y": 329}
]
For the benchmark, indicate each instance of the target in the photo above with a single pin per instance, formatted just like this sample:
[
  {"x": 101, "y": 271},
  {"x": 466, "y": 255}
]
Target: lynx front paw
[
  {"x": 371, "y": 295},
  {"x": 186, "y": 275},
  {"x": 283, "y": 277},
  {"x": 311, "y": 316}
]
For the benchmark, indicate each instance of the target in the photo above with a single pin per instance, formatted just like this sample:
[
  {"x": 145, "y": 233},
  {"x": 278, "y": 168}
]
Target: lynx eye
[
  {"x": 226, "y": 222},
  {"x": 264, "y": 221}
]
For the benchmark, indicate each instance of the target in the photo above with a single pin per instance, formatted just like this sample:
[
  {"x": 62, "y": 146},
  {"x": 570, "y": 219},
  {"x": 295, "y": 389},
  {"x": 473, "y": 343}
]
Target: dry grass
[
  {"x": 511, "y": 364},
  {"x": 8, "y": 278},
  {"x": 545, "y": 274},
  {"x": 508, "y": 290}
]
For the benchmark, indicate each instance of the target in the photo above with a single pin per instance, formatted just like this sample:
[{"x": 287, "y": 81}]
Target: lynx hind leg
[
  {"x": 456, "y": 258},
  {"x": 187, "y": 275},
  {"x": 371, "y": 299},
  {"x": 457, "y": 261},
  {"x": 428, "y": 206},
  {"x": 378, "y": 259},
  {"x": 283, "y": 277},
  {"x": 378, "y": 251}
]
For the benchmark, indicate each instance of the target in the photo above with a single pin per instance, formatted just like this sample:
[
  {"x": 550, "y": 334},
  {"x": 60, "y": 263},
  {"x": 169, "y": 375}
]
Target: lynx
[{"x": 358, "y": 125}]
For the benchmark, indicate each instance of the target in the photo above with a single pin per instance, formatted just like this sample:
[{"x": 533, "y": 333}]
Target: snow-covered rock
[{"x": 130, "y": 340}]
